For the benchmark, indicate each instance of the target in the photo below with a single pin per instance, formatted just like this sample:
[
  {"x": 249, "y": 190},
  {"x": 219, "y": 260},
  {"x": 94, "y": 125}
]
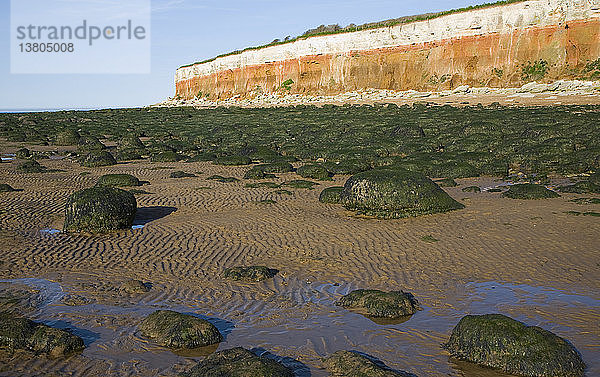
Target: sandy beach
[{"x": 528, "y": 259}]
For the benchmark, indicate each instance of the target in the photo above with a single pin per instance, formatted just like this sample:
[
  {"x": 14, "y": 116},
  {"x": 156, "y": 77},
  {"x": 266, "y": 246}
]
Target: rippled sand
[{"x": 520, "y": 258}]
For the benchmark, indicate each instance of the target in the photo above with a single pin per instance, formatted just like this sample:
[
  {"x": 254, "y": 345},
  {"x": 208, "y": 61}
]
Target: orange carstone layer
[{"x": 493, "y": 60}]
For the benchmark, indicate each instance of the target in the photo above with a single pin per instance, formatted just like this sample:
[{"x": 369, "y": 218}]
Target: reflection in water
[{"x": 50, "y": 231}]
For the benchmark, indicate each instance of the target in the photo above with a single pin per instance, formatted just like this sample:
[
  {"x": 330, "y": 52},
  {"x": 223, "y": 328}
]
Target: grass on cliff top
[{"x": 368, "y": 26}]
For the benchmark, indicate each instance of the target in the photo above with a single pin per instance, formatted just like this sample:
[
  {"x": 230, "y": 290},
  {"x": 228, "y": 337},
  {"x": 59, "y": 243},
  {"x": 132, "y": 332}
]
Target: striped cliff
[{"x": 496, "y": 46}]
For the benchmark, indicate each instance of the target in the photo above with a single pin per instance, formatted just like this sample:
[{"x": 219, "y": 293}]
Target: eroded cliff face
[{"x": 501, "y": 46}]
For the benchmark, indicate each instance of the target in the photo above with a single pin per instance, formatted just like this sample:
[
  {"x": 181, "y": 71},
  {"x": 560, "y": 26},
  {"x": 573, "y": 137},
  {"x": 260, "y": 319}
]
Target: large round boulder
[
  {"x": 30, "y": 166},
  {"x": 67, "y": 137},
  {"x": 354, "y": 364},
  {"x": 97, "y": 159},
  {"x": 118, "y": 180},
  {"x": 395, "y": 193},
  {"x": 250, "y": 274},
  {"x": 21, "y": 333},
  {"x": 100, "y": 210},
  {"x": 130, "y": 141},
  {"x": 379, "y": 304},
  {"x": 238, "y": 362},
  {"x": 498, "y": 341},
  {"x": 180, "y": 331}
]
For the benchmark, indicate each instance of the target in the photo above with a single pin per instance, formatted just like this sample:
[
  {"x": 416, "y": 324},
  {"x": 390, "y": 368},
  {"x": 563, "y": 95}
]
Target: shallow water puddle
[{"x": 50, "y": 231}]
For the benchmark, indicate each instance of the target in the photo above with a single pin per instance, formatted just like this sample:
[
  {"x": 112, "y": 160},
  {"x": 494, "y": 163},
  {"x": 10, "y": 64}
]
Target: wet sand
[{"x": 526, "y": 259}]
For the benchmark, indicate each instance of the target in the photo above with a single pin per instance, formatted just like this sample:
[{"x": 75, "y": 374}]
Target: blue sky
[{"x": 185, "y": 31}]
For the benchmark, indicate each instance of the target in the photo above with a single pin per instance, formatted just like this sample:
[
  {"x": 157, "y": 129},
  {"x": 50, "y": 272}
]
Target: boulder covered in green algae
[
  {"x": 498, "y": 341},
  {"x": 118, "y": 180},
  {"x": 354, "y": 364},
  {"x": 180, "y": 331},
  {"x": 23, "y": 153},
  {"x": 135, "y": 286},
  {"x": 90, "y": 143},
  {"x": 130, "y": 142},
  {"x": 97, "y": 159},
  {"x": 100, "y": 210},
  {"x": 181, "y": 174},
  {"x": 202, "y": 157},
  {"x": 251, "y": 273},
  {"x": 582, "y": 187},
  {"x": 167, "y": 156},
  {"x": 529, "y": 191},
  {"x": 6, "y": 188},
  {"x": 446, "y": 182},
  {"x": 67, "y": 137},
  {"x": 471, "y": 189},
  {"x": 331, "y": 195},
  {"x": 314, "y": 172},
  {"x": 233, "y": 160},
  {"x": 238, "y": 362},
  {"x": 31, "y": 166},
  {"x": 350, "y": 166},
  {"x": 379, "y": 304},
  {"x": 21, "y": 333},
  {"x": 395, "y": 193},
  {"x": 128, "y": 155},
  {"x": 257, "y": 173}
]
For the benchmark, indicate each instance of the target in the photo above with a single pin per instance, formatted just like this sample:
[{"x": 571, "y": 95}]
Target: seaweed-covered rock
[
  {"x": 238, "y": 362},
  {"x": 581, "y": 187},
  {"x": 175, "y": 330},
  {"x": 23, "y": 153},
  {"x": 351, "y": 166},
  {"x": 257, "y": 173},
  {"x": 446, "y": 182},
  {"x": 529, "y": 191},
  {"x": 97, "y": 159},
  {"x": 128, "y": 155},
  {"x": 181, "y": 174},
  {"x": 233, "y": 160},
  {"x": 202, "y": 157},
  {"x": 67, "y": 137},
  {"x": 135, "y": 286},
  {"x": 118, "y": 180},
  {"x": 31, "y": 166},
  {"x": 395, "y": 193},
  {"x": 471, "y": 189},
  {"x": 220, "y": 178},
  {"x": 90, "y": 143},
  {"x": 497, "y": 341},
  {"x": 314, "y": 172},
  {"x": 6, "y": 188},
  {"x": 100, "y": 210},
  {"x": 131, "y": 142},
  {"x": 381, "y": 304},
  {"x": 354, "y": 364},
  {"x": 252, "y": 273},
  {"x": 167, "y": 156},
  {"x": 22, "y": 333},
  {"x": 331, "y": 195}
]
